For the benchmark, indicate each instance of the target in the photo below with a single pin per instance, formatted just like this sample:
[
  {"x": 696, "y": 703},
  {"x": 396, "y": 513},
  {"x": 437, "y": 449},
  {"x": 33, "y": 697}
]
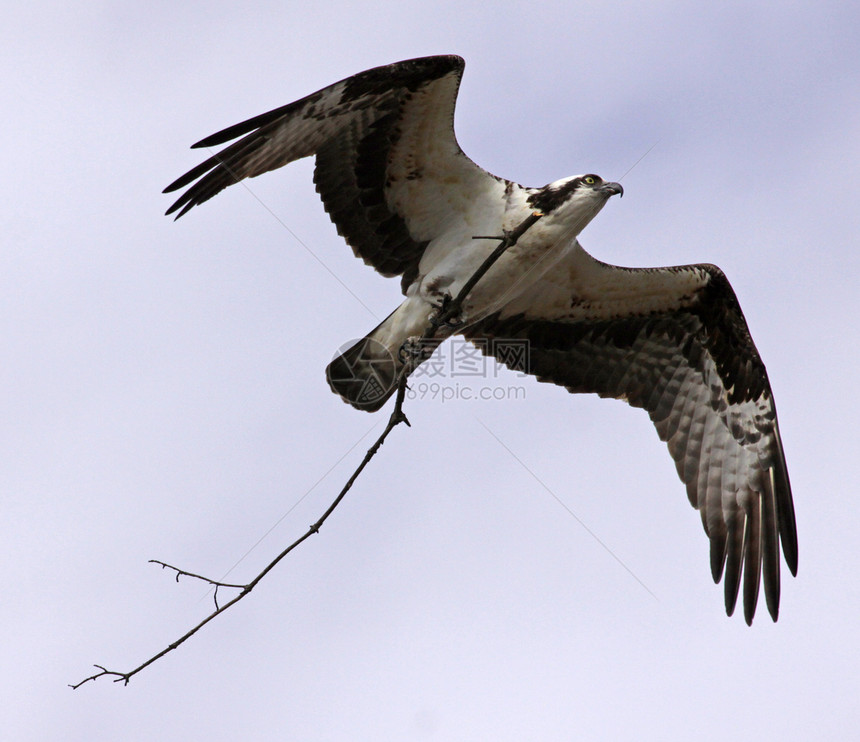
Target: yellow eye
[{"x": 589, "y": 180}]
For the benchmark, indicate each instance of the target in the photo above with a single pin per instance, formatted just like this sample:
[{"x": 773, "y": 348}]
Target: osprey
[{"x": 670, "y": 340}]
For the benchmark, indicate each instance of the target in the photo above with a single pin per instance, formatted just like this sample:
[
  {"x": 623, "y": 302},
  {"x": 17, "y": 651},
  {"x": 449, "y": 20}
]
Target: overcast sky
[{"x": 163, "y": 392}]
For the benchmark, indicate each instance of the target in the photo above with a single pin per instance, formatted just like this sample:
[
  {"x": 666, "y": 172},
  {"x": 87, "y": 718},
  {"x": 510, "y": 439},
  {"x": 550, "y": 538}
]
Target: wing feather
[
  {"x": 388, "y": 165},
  {"x": 735, "y": 524},
  {"x": 673, "y": 341}
]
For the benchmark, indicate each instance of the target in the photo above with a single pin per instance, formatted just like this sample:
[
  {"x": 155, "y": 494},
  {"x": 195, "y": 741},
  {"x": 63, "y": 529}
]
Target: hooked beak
[{"x": 610, "y": 189}]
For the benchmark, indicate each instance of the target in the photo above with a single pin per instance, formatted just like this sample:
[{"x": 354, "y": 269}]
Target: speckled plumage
[{"x": 670, "y": 340}]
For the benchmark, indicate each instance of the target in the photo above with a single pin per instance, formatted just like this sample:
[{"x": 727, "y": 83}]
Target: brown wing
[
  {"x": 686, "y": 356},
  {"x": 385, "y": 148}
]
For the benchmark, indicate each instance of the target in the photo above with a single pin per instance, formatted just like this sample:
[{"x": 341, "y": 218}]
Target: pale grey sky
[{"x": 163, "y": 389}]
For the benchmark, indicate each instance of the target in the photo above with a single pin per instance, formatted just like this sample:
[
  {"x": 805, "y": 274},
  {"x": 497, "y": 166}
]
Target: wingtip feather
[{"x": 752, "y": 557}]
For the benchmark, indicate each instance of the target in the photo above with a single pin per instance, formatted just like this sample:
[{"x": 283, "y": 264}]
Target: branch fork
[{"x": 449, "y": 310}]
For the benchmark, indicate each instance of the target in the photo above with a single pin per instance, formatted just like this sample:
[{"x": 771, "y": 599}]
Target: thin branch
[
  {"x": 509, "y": 239},
  {"x": 448, "y": 311},
  {"x": 181, "y": 572}
]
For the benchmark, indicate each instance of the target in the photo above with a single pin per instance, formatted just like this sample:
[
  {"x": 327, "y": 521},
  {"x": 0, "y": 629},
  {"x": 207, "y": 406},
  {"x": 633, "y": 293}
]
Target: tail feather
[{"x": 364, "y": 375}]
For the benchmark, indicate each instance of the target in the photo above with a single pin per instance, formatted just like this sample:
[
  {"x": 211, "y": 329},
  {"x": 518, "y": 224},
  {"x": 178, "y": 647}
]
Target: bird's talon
[{"x": 442, "y": 309}]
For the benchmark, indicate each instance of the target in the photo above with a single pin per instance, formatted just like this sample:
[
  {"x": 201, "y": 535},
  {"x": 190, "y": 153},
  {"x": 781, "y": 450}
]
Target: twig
[
  {"x": 509, "y": 239},
  {"x": 449, "y": 310}
]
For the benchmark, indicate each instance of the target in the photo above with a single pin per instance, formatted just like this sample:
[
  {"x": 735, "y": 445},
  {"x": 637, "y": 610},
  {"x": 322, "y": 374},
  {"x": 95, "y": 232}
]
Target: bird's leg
[{"x": 447, "y": 312}]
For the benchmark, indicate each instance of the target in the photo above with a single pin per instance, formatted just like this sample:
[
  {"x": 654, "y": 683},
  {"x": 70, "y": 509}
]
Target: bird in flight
[{"x": 672, "y": 341}]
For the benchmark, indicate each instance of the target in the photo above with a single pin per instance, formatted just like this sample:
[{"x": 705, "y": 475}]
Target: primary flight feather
[{"x": 673, "y": 340}]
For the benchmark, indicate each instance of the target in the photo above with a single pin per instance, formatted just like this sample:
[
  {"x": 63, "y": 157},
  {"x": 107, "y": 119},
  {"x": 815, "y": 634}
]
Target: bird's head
[{"x": 574, "y": 200}]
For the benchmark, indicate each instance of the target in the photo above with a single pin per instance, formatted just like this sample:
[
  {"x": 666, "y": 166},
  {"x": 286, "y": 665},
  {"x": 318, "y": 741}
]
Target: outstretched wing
[
  {"x": 387, "y": 158},
  {"x": 675, "y": 342}
]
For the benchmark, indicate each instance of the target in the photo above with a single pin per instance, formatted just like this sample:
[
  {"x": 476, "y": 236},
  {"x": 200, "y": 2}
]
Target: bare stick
[
  {"x": 449, "y": 310},
  {"x": 509, "y": 239}
]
